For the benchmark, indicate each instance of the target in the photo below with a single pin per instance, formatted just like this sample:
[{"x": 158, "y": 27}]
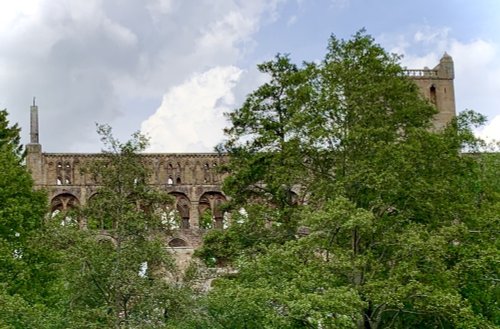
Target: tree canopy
[{"x": 392, "y": 219}]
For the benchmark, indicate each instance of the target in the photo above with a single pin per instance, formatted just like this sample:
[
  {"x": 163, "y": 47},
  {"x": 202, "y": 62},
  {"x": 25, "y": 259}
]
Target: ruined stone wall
[{"x": 192, "y": 179}]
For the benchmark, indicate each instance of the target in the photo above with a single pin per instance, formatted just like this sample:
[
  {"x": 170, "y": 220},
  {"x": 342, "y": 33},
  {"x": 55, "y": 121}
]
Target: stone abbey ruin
[{"x": 191, "y": 178}]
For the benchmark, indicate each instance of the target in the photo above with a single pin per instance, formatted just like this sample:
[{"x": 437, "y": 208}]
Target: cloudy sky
[{"x": 171, "y": 68}]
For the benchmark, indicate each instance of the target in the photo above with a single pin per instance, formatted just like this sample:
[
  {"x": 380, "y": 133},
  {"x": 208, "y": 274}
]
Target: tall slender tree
[
  {"x": 26, "y": 281},
  {"x": 118, "y": 271}
]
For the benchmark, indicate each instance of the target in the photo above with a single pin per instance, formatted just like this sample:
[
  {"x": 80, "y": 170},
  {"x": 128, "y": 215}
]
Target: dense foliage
[
  {"x": 397, "y": 227},
  {"x": 24, "y": 277}
]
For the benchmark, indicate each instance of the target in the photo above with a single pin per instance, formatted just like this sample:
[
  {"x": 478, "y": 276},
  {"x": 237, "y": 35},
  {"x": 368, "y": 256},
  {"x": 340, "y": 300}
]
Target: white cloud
[
  {"x": 491, "y": 132},
  {"x": 190, "y": 117},
  {"x": 13, "y": 11}
]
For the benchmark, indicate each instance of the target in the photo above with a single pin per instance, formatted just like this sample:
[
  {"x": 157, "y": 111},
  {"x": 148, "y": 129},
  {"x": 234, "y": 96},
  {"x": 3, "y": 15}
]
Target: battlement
[{"x": 421, "y": 74}]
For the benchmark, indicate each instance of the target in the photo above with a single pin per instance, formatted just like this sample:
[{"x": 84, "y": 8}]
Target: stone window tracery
[
  {"x": 64, "y": 173},
  {"x": 210, "y": 210}
]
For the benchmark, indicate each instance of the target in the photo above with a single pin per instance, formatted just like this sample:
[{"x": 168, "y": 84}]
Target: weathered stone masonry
[{"x": 191, "y": 178}]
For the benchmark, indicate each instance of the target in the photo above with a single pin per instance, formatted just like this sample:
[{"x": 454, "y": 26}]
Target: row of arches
[
  {"x": 209, "y": 208},
  {"x": 172, "y": 175},
  {"x": 66, "y": 169}
]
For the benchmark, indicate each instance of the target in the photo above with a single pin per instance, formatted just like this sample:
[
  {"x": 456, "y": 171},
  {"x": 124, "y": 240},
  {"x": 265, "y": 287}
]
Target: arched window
[
  {"x": 61, "y": 206},
  {"x": 210, "y": 210},
  {"x": 170, "y": 181},
  {"x": 206, "y": 176},
  {"x": 182, "y": 206},
  {"x": 206, "y": 219}
]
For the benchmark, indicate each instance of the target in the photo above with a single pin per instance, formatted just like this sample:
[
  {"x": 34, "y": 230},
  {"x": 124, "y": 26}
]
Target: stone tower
[
  {"x": 34, "y": 148},
  {"x": 436, "y": 85}
]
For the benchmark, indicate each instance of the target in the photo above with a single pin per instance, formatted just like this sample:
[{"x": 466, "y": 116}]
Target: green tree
[
  {"x": 263, "y": 140},
  {"x": 391, "y": 204},
  {"x": 118, "y": 272},
  {"x": 9, "y": 134},
  {"x": 265, "y": 163},
  {"x": 27, "y": 280}
]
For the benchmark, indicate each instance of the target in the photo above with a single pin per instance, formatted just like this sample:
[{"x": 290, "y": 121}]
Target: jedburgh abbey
[{"x": 192, "y": 178}]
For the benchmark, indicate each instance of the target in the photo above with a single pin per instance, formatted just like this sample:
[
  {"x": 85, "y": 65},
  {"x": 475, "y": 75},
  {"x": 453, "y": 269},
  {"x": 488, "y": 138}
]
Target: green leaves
[
  {"x": 286, "y": 288},
  {"x": 26, "y": 277},
  {"x": 397, "y": 218},
  {"x": 10, "y": 140}
]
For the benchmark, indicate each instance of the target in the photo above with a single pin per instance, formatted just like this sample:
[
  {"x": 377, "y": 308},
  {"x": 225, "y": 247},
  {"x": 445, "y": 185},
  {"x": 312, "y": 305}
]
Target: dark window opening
[
  {"x": 176, "y": 243},
  {"x": 433, "y": 97}
]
